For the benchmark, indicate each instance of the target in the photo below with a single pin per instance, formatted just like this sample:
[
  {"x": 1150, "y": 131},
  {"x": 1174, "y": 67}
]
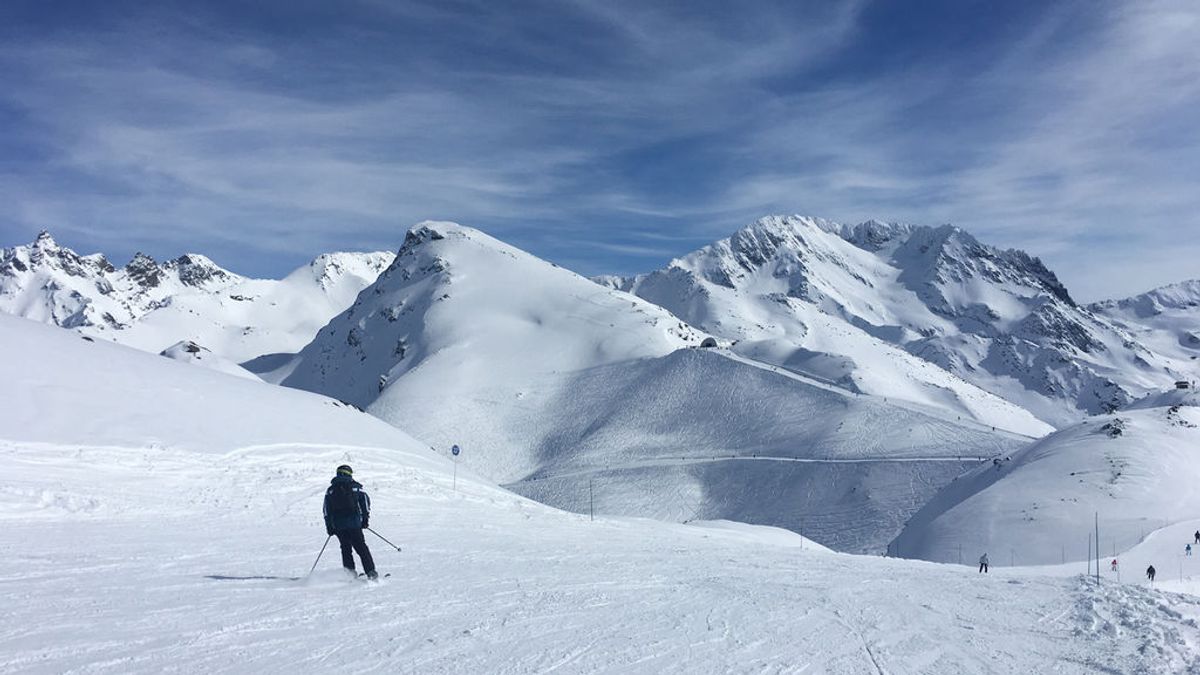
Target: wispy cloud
[
  {"x": 598, "y": 133},
  {"x": 1072, "y": 140}
]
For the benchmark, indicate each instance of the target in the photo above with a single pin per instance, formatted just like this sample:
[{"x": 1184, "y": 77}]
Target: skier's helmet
[{"x": 345, "y": 470}]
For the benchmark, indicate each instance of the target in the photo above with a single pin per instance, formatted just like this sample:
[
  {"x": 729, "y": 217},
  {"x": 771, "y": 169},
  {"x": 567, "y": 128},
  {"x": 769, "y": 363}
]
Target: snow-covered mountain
[
  {"x": 872, "y": 305},
  {"x": 1166, "y": 320},
  {"x": 846, "y": 387},
  {"x": 549, "y": 381},
  {"x": 151, "y": 305},
  {"x": 1137, "y": 469},
  {"x": 160, "y": 517},
  {"x": 464, "y": 337}
]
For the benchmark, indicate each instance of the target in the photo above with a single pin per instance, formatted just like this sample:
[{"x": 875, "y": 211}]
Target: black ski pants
[{"x": 352, "y": 541}]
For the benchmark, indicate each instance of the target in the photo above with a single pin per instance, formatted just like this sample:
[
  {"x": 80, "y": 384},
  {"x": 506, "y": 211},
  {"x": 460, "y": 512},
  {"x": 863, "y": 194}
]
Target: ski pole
[
  {"x": 314, "y": 567},
  {"x": 384, "y": 539}
]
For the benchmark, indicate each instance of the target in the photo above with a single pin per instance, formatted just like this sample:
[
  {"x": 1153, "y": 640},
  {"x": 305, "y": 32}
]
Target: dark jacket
[{"x": 354, "y": 517}]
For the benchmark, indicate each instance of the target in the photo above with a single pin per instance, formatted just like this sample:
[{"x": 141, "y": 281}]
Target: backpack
[{"x": 343, "y": 500}]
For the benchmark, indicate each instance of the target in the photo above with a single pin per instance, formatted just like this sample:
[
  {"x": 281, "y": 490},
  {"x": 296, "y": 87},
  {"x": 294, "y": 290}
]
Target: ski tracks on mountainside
[{"x": 489, "y": 582}]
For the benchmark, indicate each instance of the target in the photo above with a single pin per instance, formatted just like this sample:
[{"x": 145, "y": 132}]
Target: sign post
[{"x": 454, "y": 451}]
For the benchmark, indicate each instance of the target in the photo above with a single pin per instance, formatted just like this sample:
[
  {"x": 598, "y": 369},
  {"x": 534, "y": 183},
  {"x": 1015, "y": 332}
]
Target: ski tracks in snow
[{"x": 491, "y": 583}]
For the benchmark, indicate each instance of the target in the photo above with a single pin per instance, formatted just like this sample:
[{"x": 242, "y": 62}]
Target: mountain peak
[
  {"x": 420, "y": 234},
  {"x": 758, "y": 242},
  {"x": 429, "y": 231},
  {"x": 873, "y": 235},
  {"x": 445, "y": 240},
  {"x": 329, "y": 269},
  {"x": 194, "y": 269},
  {"x": 45, "y": 241},
  {"x": 194, "y": 259},
  {"x": 144, "y": 270},
  {"x": 457, "y": 296},
  {"x": 788, "y": 224}
]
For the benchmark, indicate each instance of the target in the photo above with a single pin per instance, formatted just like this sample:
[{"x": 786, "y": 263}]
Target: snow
[
  {"x": 80, "y": 390},
  {"x": 925, "y": 314},
  {"x": 794, "y": 292},
  {"x": 766, "y": 447},
  {"x": 260, "y": 316},
  {"x": 187, "y": 351},
  {"x": 146, "y": 506},
  {"x": 152, "y": 306},
  {"x": 1136, "y": 469},
  {"x": 462, "y": 337},
  {"x": 550, "y": 383},
  {"x": 1165, "y": 320}
]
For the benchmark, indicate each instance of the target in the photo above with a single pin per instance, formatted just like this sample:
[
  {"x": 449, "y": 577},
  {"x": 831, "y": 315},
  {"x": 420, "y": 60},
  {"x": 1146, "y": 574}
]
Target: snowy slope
[
  {"x": 656, "y": 438},
  {"x": 1166, "y": 320},
  {"x": 151, "y": 306},
  {"x": 549, "y": 381},
  {"x": 169, "y": 504},
  {"x": 463, "y": 336},
  {"x": 872, "y": 305},
  {"x": 187, "y": 351},
  {"x": 78, "y": 390},
  {"x": 1138, "y": 469}
]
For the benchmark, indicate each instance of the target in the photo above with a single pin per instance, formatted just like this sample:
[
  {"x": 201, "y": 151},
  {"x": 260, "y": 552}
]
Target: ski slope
[
  {"x": 1136, "y": 469},
  {"x": 655, "y": 438},
  {"x": 148, "y": 506}
]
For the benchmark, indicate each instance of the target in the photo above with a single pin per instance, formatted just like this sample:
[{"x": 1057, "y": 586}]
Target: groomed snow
[
  {"x": 1138, "y": 469},
  {"x": 146, "y": 505},
  {"x": 656, "y": 438}
]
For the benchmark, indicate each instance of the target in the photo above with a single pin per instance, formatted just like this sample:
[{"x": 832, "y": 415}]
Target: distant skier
[
  {"x": 983, "y": 564},
  {"x": 1150, "y": 573},
  {"x": 1187, "y": 550},
  {"x": 1114, "y": 565},
  {"x": 1198, "y": 536},
  {"x": 347, "y": 511}
]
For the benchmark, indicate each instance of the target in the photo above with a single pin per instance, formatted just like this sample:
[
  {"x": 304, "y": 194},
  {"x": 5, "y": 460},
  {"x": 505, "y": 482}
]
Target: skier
[
  {"x": 1198, "y": 536},
  {"x": 1188, "y": 550},
  {"x": 347, "y": 511},
  {"x": 1114, "y": 565},
  {"x": 983, "y": 564},
  {"x": 1150, "y": 573}
]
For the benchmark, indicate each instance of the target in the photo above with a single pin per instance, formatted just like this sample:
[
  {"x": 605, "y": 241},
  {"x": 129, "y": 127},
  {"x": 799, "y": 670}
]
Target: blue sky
[{"x": 606, "y": 136}]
